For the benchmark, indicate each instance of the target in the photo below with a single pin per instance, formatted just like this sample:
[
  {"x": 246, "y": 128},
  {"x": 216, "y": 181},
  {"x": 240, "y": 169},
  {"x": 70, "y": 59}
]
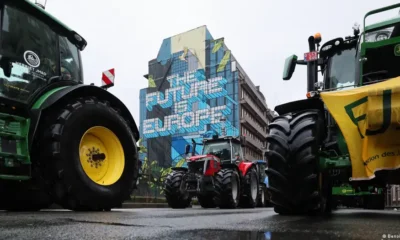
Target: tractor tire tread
[
  {"x": 293, "y": 169},
  {"x": 223, "y": 188},
  {"x": 174, "y": 196},
  {"x": 65, "y": 193}
]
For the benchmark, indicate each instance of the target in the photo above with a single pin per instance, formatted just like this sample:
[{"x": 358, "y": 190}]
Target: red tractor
[{"x": 219, "y": 177}]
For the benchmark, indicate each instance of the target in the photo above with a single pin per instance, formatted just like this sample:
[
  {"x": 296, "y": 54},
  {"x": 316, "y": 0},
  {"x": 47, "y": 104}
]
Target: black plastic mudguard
[
  {"x": 304, "y": 104},
  {"x": 77, "y": 91}
]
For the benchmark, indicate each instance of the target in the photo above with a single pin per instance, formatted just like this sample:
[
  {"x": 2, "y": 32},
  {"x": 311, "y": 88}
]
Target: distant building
[{"x": 196, "y": 86}]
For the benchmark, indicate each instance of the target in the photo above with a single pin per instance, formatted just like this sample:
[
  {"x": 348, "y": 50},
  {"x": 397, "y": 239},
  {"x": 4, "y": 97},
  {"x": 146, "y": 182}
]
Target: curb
[
  {"x": 144, "y": 205},
  {"x": 128, "y": 205}
]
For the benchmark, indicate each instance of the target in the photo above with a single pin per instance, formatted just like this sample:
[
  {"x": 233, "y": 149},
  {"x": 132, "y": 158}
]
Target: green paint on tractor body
[
  {"x": 339, "y": 157},
  {"x": 344, "y": 63},
  {"x": 348, "y": 190},
  {"x": 14, "y": 149},
  {"x": 45, "y": 96},
  {"x": 22, "y": 83},
  {"x": 14, "y": 153},
  {"x": 42, "y": 98}
]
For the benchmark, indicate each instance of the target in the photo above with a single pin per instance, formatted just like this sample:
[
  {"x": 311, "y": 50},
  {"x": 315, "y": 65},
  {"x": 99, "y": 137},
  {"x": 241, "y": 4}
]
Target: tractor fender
[
  {"x": 54, "y": 97},
  {"x": 304, "y": 104},
  {"x": 244, "y": 167},
  {"x": 179, "y": 169},
  {"x": 230, "y": 166}
]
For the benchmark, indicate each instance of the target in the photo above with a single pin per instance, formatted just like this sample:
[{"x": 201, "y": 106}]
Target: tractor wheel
[
  {"x": 206, "y": 201},
  {"x": 175, "y": 190},
  {"x": 227, "y": 186},
  {"x": 262, "y": 197},
  {"x": 250, "y": 188},
  {"x": 89, "y": 156},
  {"x": 292, "y": 151},
  {"x": 267, "y": 198}
]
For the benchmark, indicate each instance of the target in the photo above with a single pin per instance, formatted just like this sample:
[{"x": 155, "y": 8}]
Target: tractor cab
[
  {"x": 226, "y": 149},
  {"x": 36, "y": 50},
  {"x": 357, "y": 60}
]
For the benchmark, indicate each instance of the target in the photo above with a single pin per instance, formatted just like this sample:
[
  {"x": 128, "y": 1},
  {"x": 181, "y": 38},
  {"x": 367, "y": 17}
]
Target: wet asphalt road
[{"x": 197, "y": 223}]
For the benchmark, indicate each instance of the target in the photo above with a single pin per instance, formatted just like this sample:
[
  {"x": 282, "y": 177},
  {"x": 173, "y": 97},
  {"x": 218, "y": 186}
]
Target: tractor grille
[{"x": 196, "y": 167}]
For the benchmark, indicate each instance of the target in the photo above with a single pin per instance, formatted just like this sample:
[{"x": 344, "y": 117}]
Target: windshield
[
  {"x": 237, "y": 151},
  {"x": 31, "y": 55},
  {"x": 342, "y": 69},
  {"x": 222, "y": 150}
]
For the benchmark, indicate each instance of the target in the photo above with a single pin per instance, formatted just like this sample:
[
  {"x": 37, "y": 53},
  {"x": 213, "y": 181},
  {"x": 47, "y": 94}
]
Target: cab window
[
  {"x": 30, "y": 47},
  {"x": 69, "y": 58},
  {"x": 236, "y": 149}
]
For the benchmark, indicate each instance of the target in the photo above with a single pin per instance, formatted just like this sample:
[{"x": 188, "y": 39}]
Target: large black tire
[
  {"x": 63, "y": 171},
  {"x": 206, "y": 201},
  {"x": 263, "y": 197},
  {"x": 250, "y": 188},
  {"x": 175, "y": 190},
  {"x": 227, "y": 187},
  {"x": 292, "y": 151},
  {"x": 267, "y": 199},
  {"x": 16, "y": 196}
]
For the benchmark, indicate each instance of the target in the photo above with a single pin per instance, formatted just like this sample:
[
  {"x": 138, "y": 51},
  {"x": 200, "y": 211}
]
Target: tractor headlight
[
  {"x": 381, "y": 36},
  {"x": 378, "y": 35}
]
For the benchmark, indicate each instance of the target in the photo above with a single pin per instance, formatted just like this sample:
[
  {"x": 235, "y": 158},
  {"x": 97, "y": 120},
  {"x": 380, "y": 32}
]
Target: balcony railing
[
  {"x": 250, "y": 85},
  {"x": 254, "y": 143},
  {"x": 257, "y": 129},
  {"x": 247, "y": 100}
]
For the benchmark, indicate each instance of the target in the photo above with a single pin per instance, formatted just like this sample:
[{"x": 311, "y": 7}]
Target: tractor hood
[{"x": 200, "y": 157}]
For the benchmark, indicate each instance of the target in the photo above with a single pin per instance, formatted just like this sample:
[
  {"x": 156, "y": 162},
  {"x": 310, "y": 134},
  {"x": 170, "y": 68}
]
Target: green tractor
[
  {"x": 344, "y": 135},
  {"x": 61, "y": 141}
]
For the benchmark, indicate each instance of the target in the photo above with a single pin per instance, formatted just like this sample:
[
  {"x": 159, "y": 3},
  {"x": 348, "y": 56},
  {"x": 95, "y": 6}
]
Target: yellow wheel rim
[{"x": 101, "y": 155}]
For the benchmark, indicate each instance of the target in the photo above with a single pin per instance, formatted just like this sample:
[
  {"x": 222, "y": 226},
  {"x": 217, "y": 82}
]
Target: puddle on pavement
[{"x": 248, "y": 235}]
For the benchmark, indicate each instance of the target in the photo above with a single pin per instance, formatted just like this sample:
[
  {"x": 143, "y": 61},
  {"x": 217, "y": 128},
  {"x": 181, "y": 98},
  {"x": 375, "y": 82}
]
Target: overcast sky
[{"x": 126, "y": 34}]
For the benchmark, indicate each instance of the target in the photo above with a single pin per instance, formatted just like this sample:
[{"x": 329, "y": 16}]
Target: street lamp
[{"x": 41, "y": 3}]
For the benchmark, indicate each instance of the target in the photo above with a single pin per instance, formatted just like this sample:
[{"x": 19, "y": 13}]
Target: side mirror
[
  {"x": 290, "y": 65},
  {"x": 187, "y": 149}
]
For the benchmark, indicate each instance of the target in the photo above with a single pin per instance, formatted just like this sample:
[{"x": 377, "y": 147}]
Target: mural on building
[
  {"x": 192, "y": 90},
  {"x": 184, "y": 92}
]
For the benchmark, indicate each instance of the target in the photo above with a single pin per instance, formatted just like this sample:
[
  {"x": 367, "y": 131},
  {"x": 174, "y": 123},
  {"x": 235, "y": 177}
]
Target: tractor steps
[{"x": 14, "y": 152}]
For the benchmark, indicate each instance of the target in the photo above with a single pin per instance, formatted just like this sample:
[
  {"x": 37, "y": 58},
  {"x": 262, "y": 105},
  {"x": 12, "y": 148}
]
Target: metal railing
[
  {"x": 392, "y": 196},
  {"x": 255, "y": 108},
  {"x": 254, "y": 142},
  {"x": 261, "y": 132}
]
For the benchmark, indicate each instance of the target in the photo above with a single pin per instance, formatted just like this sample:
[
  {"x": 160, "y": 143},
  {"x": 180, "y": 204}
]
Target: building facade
[{"x": 196, "y": 86}]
